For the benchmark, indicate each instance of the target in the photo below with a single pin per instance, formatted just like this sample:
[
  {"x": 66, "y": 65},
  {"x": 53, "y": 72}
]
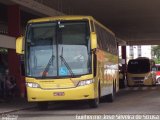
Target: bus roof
[
  {"x": 55, "y": 18},
  {"x": 142, "y": 58},
  {"x": 73, "y": 17}
]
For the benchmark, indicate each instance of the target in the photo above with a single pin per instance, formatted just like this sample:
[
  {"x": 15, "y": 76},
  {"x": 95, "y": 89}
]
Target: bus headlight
[
  {"x": 33, "y": 85},
  {"x": 85, "y": 82}
]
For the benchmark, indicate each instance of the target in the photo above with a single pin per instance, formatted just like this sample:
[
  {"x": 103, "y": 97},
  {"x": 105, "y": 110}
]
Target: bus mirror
[
  {"x": 19, "y": 45},
  {"x": 93, "y": 40}
]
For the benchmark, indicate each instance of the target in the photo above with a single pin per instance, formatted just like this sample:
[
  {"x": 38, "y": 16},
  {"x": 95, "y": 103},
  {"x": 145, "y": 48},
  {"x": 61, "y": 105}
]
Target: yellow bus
[
  {"x": 141, "y": 72},
  {"x": 69, "y": 58}
]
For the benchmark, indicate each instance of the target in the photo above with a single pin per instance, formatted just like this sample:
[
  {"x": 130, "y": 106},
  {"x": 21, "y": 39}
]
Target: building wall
[
  {"x": 133, "y": 52},
  {"x": 7, "y": 41},
  {"x": 13, "y": 19},
  {"x": 138, "y": 51}
]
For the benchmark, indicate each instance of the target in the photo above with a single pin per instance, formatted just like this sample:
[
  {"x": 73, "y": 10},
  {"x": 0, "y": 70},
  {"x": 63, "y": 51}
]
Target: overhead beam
[
  {"x": 143, "y": 42},
  {"x": 121, "y": 42},
  {"x": 38, "y": 7},
  {"x": 7, "y": 42}
]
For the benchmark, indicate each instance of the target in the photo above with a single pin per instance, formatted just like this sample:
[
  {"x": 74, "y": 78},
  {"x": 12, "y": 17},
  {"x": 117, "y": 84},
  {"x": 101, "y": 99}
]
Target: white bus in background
[{"x": 141, "y": 72}]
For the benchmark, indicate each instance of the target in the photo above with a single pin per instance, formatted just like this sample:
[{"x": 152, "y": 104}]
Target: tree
[{"x": 156, "y": 53}]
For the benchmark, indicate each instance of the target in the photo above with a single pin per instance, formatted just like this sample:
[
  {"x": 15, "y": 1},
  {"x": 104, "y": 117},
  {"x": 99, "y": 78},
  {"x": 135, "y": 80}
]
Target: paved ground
[
  {"x": 14, "y": 104},
  {"x": 136, "y": 101}
]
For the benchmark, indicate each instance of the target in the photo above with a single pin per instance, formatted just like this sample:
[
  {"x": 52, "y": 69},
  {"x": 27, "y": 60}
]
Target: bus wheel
[
  {"x": 110, "y": 97},
  {"x": 95, "y": 102},
  {"x": 42, "y": 105}
]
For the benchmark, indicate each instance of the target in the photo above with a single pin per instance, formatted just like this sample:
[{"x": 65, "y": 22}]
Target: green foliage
[{"x": 156, "y": 53}]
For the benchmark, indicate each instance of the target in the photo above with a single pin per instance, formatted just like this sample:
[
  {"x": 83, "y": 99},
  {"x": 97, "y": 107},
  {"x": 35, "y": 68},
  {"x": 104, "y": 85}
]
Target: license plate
[{"x": 58, "y": 93}]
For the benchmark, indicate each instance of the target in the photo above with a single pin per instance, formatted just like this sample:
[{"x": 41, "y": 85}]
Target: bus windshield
[
  {"x": 58, "y": 49},
  {"x": 139, "y": 66}
]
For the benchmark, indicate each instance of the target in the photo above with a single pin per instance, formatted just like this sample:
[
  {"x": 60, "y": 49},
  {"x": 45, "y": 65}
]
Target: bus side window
[{"x": 98, "y": 36}]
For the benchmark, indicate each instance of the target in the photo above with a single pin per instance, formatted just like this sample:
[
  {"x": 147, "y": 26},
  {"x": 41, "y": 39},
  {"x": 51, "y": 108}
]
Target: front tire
[
  {"x": 94, "y": 103},
  {"x": 111, "y": 97}
]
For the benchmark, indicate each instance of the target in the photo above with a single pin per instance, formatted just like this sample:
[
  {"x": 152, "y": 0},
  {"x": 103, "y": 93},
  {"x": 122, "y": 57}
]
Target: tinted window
[{"x": 139, "y": 66}]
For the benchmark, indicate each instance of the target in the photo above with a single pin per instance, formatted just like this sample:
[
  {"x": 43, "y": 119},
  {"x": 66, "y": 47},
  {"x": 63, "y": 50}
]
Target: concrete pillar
[
  {"x": 124, "y": 58},
  {"x": 14, "y": 25},
  {"x": 14, "y": 20},
  {"x": 123, "y": 72}
]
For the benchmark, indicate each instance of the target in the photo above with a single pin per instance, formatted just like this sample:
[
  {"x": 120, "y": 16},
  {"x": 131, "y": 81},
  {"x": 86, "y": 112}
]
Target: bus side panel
[{"x": 107, "y": 72}]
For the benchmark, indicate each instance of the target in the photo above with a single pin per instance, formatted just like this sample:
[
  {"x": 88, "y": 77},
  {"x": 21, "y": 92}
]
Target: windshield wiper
[
  {"x": 66, "y": 64},
  {"x": 47, "y": 66}
]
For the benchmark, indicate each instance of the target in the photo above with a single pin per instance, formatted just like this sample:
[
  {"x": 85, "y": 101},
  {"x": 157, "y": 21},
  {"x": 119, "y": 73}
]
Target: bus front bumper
[
  {"x": 78, "y": 93},
  {"x": 146, "y": 82}
]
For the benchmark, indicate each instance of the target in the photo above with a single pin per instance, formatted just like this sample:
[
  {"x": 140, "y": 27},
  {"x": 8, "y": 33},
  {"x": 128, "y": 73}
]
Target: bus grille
[
  {"x": 138, "y": 82},
  {"x": 138, "y": 78},
  {"x": 57, "y": 86}
]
